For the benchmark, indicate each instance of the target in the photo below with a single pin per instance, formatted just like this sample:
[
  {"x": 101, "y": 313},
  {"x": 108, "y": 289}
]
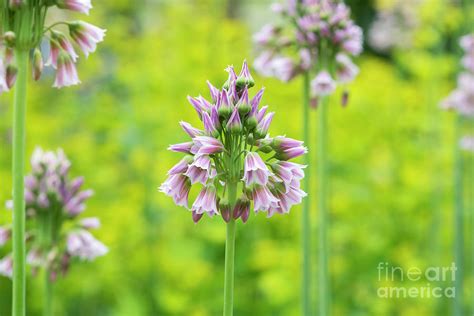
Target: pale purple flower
[
  {"x": 467, "y": 43},
  {"x": 177, "y": 186},
  {"x": 288, "y": 148},
  {"x": 182, "y": 147},
  {"x": 59, "y": 43},
  {"x": 5, "y": 235},
  {"x": 265, "y": 35},
  {"x": 199, "y": 170},
  {"x": 235, "y": 124},
  {"x": 245, "y": 78},
  {"x": 263, "y": 64},
  {"x": 3, "y": 78},
  {"x": 467, "y": 143},
  {"x": 346, "y": 69},
  {"x": 83, "y": 245},
  {"x": 263, "y": 199},
  {"x": 255, "y": 170},
  {"x": 6, "y": 266},
  {"x": 323, "y": 84},
  {"x": 283, "y": 68},
  {"x": 264, "y": 124},
  {"x": 86, "y": 35},
  {"x": 208, "y": 145},
  {"x": 214, "y": 91},
  {"x": 90, "y": 223},
  {"x": 209, "y": 124},
  {"x": 76, "y": 205},
  {"x": 291, "y": 173},
  {"x": 181, "y": 166},
  {"x": 82, "y": 6},
  {"x": 67, "y": 74},
  {"x": 206, "y": 202},
  {"x": 286, "y": 200}
]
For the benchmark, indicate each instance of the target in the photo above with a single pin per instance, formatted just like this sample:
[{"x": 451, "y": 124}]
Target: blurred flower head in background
[
  {"x": 55, "y": 234},
  {"x": 235, "y": 150},
  {"x": 393, "y": 27},
  {"x": 23, "y": 29},
  {"x": 462, "y": 98},
  {"x": 315, "y": 36}
]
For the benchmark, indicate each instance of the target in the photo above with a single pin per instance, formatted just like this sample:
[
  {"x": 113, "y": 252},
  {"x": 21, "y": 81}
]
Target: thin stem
[
  {"x": 306, "y": 223},
  {"x": 229, "y": 256},
  {"x": 324, "y": 288},
  {"x": 19, "y": 282},
  {"x": 458, "y": 222},
  {"x": 48, "y": 294}
]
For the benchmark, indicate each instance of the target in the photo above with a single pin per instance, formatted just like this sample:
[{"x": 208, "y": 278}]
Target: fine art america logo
[{"x": 414, "y": 282}]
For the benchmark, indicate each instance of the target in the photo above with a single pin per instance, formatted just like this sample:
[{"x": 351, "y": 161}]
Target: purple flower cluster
[
  {"x": 324, "y": 36},
  {"x": 235, "y": 151},
  {"x": 53, "y": 200},
  {"x": 62, "y": 54},
  {"x": 461, "y": 99}
]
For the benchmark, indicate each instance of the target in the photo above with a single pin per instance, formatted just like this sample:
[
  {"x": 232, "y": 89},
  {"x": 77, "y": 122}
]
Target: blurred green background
[{"x": 391, "y": 163}]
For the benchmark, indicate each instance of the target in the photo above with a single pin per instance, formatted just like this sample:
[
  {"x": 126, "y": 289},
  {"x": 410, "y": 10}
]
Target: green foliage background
[{"x": 391, "y": 165}]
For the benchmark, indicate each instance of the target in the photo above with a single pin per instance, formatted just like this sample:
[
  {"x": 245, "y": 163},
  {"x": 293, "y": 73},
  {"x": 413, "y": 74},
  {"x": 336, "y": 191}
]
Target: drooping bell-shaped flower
[
  {"x": 206, "y": 202},
  {"x": 82, "y": 6},
  {"x": 67, "y": 74},
  {"x": 323, "y": 84},
  {"x": 86, "y": 35},
  {"x": 255, "y": 170}
]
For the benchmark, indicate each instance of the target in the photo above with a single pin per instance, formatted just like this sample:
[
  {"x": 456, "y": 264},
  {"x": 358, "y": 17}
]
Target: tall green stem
[
  {"x": 19, "y": 282},
  {"x": 458, "y": 221},
  {"x": 324, "y": 289},
  {"x": 306, "y": 223},
  {"x": 48, "y": 294},
  {"x": 229, "y": 255}
]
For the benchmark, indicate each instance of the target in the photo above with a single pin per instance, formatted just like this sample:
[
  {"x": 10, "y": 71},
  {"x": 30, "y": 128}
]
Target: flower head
[
  {"x": 307, "y": 26},
  {"x": 50, "y": 192},
  {"x": 235, "y": 152}
]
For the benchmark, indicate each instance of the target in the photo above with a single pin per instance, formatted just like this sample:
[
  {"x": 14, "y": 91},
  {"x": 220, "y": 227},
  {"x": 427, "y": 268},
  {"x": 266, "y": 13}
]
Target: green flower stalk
[
  {"x": 22, "y": 28},
  {"x": 236, "y": 164}
]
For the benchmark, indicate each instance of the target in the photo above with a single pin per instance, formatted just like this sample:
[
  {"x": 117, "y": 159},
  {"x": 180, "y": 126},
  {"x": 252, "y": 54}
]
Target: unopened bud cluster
[{"x": 234, "y": 151}]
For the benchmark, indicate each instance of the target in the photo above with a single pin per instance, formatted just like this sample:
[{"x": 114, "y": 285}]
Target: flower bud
[
  {"x": 234, "y": 124},
  {"x": 12, "y": 72},
  {"x": 225, "y": 109},
  {"x": 197, "y": 217},
  {"x": 224, "y": 208},
  {"x": 37, "y": 64},
  {"x": 245, "y": 78},
  {"x": 9, "y": 38},
  {"x": 243, "y": 104},
  {"x": 345, "y": 98}
]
